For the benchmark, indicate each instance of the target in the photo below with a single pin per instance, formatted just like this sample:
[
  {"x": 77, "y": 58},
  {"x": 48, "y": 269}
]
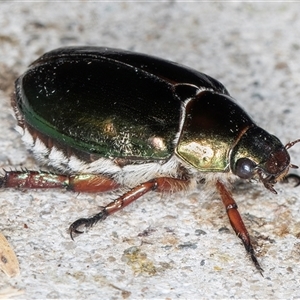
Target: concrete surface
[{"x": 161, "y": 247}]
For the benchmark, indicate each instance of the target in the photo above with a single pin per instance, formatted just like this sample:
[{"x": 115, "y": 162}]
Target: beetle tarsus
[
  {"x": 251, "y": 252},
  {"x": 249, "y": 248},
  {"x": 293, "y": 177},
  {"x": 87, "y": 222}
]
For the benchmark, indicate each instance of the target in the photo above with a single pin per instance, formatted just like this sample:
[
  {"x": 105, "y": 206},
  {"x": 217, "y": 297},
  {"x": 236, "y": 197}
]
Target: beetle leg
[
  {"x": 159, "y": 184},
  {"x": 292, "y": 177},
  {"x": 237, "y": 222},
  {"x": 90, "y": 183}
]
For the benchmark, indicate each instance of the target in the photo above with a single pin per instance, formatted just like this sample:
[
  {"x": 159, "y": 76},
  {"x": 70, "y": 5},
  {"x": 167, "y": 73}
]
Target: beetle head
[{"x": 258, "y": 154}]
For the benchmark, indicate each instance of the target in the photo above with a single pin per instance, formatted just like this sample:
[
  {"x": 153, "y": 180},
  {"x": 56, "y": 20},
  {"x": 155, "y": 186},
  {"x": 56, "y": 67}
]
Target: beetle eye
[{"x": 244, "y": 168}]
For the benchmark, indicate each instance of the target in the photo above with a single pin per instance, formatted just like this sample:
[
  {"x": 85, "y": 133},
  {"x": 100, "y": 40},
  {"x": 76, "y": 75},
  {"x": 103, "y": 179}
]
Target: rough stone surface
[{"x": 161, "y": 247}]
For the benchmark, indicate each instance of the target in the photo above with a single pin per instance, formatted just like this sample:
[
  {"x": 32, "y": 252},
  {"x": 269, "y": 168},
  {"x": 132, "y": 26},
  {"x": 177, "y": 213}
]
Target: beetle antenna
[{"x": 291, "y": 144}]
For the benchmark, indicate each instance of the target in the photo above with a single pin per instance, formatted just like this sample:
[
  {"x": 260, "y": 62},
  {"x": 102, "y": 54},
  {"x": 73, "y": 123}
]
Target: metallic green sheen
[
  {"x": 212, "y": 126},
  {"x": 101, "y": 111},
  {"x": 108, "y": 102}
]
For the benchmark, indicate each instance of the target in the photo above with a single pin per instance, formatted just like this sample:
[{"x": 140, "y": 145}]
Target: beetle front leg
[
  {"x": 237, "y": 222},
  {"x": 160, "y": 184}
]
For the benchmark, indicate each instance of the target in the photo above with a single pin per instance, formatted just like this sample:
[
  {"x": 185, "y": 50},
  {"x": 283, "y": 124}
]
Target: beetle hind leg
[
  {"x": 160, "y": 184},
  {"x": 89, "y": 183}
]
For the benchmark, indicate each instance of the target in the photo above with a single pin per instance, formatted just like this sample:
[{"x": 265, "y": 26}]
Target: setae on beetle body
[{"x": 106, "y": 118}]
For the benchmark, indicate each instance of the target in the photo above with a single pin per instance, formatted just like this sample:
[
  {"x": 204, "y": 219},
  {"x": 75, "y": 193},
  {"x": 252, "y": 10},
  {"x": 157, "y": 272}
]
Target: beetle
[{"x": 104, "y": 118}]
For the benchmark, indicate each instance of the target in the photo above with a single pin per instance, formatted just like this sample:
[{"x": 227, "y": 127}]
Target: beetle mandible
[{"x": 106, "y": 118}]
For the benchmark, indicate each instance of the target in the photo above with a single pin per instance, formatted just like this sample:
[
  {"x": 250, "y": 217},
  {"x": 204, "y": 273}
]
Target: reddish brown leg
[
  {"x": 89, "y": 183},
  {"x": 237, "y": 222},
  {"x": 158, "y": 184}
]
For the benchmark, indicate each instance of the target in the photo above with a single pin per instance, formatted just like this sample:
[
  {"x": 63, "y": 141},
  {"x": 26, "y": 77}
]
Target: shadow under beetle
[{"x": 107, "y": 118}]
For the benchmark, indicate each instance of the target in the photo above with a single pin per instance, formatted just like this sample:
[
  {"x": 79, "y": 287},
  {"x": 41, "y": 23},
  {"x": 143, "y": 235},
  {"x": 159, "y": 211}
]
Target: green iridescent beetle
[{"x": 107, "y": 118}]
